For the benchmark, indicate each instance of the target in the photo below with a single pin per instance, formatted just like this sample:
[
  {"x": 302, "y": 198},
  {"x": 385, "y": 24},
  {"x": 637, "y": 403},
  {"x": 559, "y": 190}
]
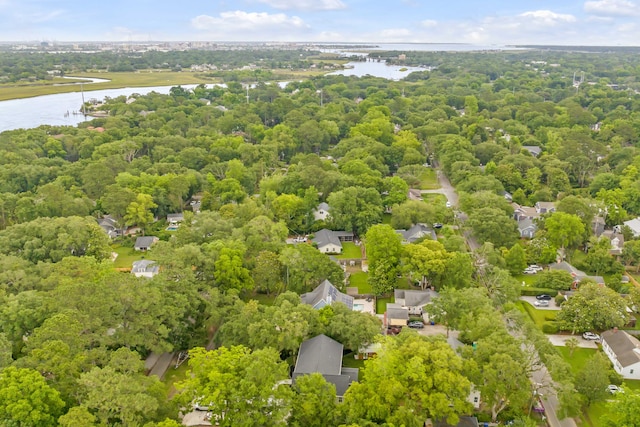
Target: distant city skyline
[{"x": 569, "y": 22}]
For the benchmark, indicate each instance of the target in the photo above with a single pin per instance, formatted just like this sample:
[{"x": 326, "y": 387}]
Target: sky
[{"x": 482, "y": 22}]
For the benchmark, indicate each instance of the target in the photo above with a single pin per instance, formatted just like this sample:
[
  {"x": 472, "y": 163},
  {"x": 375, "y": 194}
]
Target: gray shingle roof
[
  {"x": 416, "y": 232},
  {"x": 414, "y": 298},
  {"x": 625, "y": 346},
  {"x": 325, "y": 237},
  {"x": 397, "y": 312},
  {"x": 145, "y": 266},
  {"x": 320, "y": 354},
  {"x": 326, "y": 294},
  {"x": 145, "y": 241}
]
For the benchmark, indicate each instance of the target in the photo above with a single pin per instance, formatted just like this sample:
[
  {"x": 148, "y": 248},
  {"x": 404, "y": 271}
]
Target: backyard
[
  {"x": 126, "y": 256},
  {"x": 350, "y": 251},
  {"x": 429, "y": 179}
]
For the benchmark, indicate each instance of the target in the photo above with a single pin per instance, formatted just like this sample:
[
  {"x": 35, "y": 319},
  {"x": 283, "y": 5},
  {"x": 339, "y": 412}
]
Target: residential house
[
  {"x": 396, "y": 315},
  {"x": 617, "y": 242},
  {"x": 110, "y": 226},
  {"x": 326, "y": 294},
  {"x": 175, "y": 219},
  {"x": 368, "y": 351},
  {"x": 624, "y": 352},
  {"x": 324, "y": 355},
  {"x": 634, "y": 226},
  {"x": 527, "y": 228},
  {"x": 416, "y": 232},
  {"x": 145, "y": 268},
  {"x": 534, "y": 150},
  {"x": 330, "y": 242},
  {"x": 524, "y": 212},
  {"x": 414, "y": 300},
  {"x": 545, "y": 207},
  {"x": 414, "y": 194},
  {"x": 321, "y": 212},
  {"x": 575, "y": 273},
  {"x": 144, "y": 243}
]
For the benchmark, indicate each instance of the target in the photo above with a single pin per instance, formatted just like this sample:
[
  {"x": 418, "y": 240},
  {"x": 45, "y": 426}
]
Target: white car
[
  {"x": 535, "y": 267},
  {"x": 613, "y": 389},
  {"x": 448, "y": 204},
  {"x": 590, "y": 336},
  {"x": 541, "y": 303},
  {"x": 530, "y": 271}
]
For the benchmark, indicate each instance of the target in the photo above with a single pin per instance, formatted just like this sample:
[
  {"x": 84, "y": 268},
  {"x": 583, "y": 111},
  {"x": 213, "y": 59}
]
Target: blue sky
[{"x": 591, "y": 22}]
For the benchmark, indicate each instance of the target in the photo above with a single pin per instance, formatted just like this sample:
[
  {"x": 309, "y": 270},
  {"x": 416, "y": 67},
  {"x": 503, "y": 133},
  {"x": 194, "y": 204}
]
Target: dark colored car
[
  {"x": 437, "y": 225},
  {"x": 543, "y": 297}
]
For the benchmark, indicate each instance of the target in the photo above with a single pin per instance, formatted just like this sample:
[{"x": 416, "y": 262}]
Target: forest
[{"x": 76, "y": 324}]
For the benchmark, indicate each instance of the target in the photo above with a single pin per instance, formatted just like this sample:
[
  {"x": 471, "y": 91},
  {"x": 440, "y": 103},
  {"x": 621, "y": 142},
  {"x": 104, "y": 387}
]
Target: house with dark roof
[
  {"x": 623, "y": 350},
  {"x": 577, "y": 275},
  {"x": 321, "y": 212},
  {"x": 524, "y": 212},
  {"x": 145, "y": 268},
  {"x": 324, "y": 355},
  {"x": 414, "y": 194},
  {"x": 326, "y": 294},
  {"x": 330, "y": 242},
  {"x": 110, "y": 226},
  {"x": 534, "y": 150},
  {"x": 144, "y": 243},
  {"x": 416, "y": 232},
  {"x": 413, "y": 300}
]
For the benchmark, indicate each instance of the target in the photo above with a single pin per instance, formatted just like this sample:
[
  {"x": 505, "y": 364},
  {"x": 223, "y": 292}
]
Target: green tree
[
  {"x": 593, "y": 307},
  {"x": 425, "y": 261},
  {"x": 592, "y": 380},
  {"x": 623, "y": 411},
  {"x": 554, "y": 279},
  {"x": 139, "y": 211},
  {"x": 403, "y": 385},
  {"x": 267, "y": 272},
  {"x": 230, "y": 272},
  {"x": 516, "y": 259},
  {"x": 355, "y": 208},
  {"x": 492, "y": 225},
  {"x": 313, "y": 403},
  {"x": 27, "y": 400},
  {"x": 383, "y": 253},
  {"x": 564, "y": 230},
  {"x": 239, "y": 386}
]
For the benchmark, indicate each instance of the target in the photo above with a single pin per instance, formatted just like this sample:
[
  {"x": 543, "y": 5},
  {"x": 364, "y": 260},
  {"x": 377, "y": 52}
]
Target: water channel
[{"x": 58, "y": 109}]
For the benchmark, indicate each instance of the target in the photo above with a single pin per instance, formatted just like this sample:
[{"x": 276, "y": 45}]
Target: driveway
[
  {"x": 532, "y": 300},
  {"x": 560, "y": 341}
]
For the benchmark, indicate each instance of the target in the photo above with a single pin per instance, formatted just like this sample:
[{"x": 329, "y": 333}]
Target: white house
[
  {"x": 321, "y": 212},
  {"x": 145, "y": 268},
  {"x": 624, "y": 352}
]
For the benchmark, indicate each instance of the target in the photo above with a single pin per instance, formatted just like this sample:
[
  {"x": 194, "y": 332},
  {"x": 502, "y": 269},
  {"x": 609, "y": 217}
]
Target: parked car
[
  {"x": 541, "y": 303},
  {"x": 535, "y": 267},
  {"x": 437, "y": 225},
  {"x": 543, "y": 297},
  {"x": 416, "y": 324},
  {"x": 529, "y": 271},
  {"x": 590, "y": 336},
  {"x": 448, "y": 204},
  {"x": 613, "y": 389},
  {"x": 393, "y": 330}
]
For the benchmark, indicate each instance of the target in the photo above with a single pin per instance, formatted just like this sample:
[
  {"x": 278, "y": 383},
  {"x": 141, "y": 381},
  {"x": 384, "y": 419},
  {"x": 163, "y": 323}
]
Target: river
[{"x": 52, "y": 109}]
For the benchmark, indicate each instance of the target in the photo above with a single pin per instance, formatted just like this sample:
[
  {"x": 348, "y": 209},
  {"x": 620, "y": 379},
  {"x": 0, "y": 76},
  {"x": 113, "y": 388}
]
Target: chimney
[{"x": 615, "y": 329}]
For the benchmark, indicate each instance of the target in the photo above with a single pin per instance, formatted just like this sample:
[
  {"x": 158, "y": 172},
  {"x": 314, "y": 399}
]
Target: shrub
[
  {"x": 550, "y": 328},
  {"x": 532, "y": 292},
  {"x": 554, "y": 279}
]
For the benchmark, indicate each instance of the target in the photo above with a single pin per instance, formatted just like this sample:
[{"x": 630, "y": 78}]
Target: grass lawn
[
  {"x": 538, "y": 316},
  {"x": 381, "y": 304},
  {"x": 528, "y": 279},
  {"x": 579, "y": 357},
  {"x": 348, "y": 361},
  {"x": 174, "y": 376},
  {"x": 403, "y": 283},
  {"x": 594, "y": 414},
  {"x": 126, "y": 256},
  {"x": 434, "y": 198},
  {"x": 429, "y": 179},
  {"x": 350, "y": 251},
  {"x": 386, "y": 218},
  {"x": 359, "y": 280},
  {"x": 262, "y": 298}
]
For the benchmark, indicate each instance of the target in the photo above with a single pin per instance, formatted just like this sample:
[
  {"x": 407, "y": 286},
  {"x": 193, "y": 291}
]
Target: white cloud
[
  {"x": 305, "y": 4},
  {"x": 251, "y": 26},
  {"x": 429, "y": 23},
  {"x": 612, "y": 8},
  {"x": 547, "y": 17}
]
